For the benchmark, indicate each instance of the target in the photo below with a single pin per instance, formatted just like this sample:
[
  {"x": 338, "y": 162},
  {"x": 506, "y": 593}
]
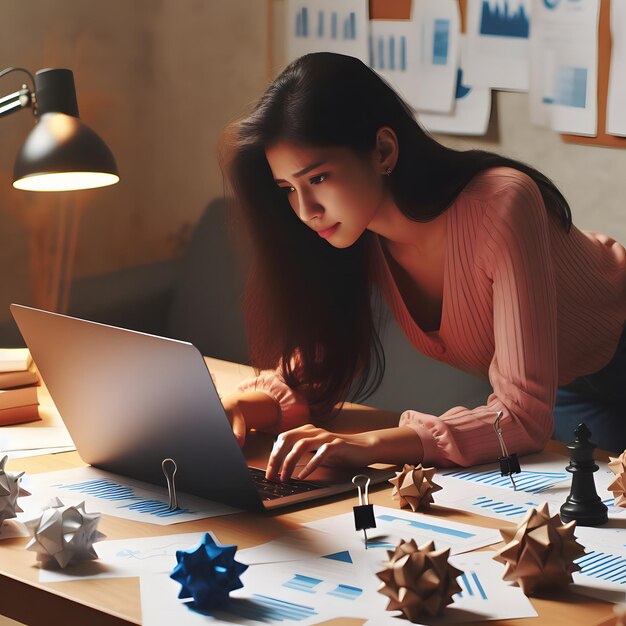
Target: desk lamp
[{"x": 60, "y": 153}]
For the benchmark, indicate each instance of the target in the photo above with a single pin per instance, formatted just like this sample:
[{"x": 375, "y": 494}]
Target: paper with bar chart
[
  {"x": 484, "y": 491},
  {"x": 564, "y": 60},
  {"x": 115, "y": 495},
  {"x": 247, "y": 606},
  {"x": 498, "y": 33},
  {"x": 471, "y": 110},
  {"x": 419, "y": 57},
  {"x": 325, "y": 25},
  {"x": 395, "y": 524}
]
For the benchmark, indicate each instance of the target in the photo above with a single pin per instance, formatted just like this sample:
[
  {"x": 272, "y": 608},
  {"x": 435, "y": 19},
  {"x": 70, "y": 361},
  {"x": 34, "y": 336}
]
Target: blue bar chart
[
  {"x": 504, "y": 509},
  {"x": 471, "y": 586},
  {"x": 303, "y": 583},
  {"x": 431, "y": 528},
  {"x": 302, "y": 26},
  {"x": 107, "y": 490},
  {"x": 607, "y": 567},
  {"x": 527, "y": 481},
  {"x": 267, "y": 609}
]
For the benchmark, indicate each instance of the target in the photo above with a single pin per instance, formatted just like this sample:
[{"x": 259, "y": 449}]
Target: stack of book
[{"x": 19, "y": 381}]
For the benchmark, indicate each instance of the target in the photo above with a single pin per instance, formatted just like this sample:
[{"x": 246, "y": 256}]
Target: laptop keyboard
[{"x": 272, "y": 489}]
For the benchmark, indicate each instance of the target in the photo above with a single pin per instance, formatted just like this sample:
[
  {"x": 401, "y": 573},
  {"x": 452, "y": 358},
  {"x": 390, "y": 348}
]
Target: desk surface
[{"x": 117, "y": 601}]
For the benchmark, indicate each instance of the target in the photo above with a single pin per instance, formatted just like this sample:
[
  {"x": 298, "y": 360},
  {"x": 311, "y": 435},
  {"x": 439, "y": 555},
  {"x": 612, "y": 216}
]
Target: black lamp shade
[{"x": 61, "y": 153}]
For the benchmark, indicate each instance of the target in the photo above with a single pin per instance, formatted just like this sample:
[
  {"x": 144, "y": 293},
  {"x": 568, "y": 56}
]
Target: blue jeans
[{"x": 598, "y": 400}]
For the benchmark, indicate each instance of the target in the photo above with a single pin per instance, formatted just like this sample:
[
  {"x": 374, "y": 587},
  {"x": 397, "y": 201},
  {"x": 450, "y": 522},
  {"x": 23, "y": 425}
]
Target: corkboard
[{"x": 401, "y": 9}]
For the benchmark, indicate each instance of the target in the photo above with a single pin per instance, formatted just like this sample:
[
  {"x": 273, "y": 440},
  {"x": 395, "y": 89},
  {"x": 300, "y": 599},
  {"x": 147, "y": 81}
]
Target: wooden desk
[{"x": 114, "y": 602}]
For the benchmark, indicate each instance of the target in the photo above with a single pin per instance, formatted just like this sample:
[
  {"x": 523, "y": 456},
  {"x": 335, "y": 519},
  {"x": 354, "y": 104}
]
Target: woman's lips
[{"x": 326, "y": 233}]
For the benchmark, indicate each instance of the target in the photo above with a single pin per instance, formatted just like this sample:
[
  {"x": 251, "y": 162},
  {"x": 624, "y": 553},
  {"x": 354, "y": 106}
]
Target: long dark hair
[{"x": 308, "y": 304}]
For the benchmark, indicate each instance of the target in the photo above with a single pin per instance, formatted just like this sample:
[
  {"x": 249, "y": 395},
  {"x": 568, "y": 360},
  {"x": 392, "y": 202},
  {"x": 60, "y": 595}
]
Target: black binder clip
[
  {"x": 169, "y": 469},
  {"x": 509, "y": 463},
  {"x": 364, "y": 513}
]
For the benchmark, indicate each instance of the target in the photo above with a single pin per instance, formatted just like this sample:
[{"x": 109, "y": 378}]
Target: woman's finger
[
  {"x": 283, "y": 445},
  {"x": 299, "y": 449}
]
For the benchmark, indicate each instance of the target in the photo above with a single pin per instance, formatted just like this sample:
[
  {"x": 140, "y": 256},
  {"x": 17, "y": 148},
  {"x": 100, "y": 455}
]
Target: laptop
[{"x": 130, "y": 400}]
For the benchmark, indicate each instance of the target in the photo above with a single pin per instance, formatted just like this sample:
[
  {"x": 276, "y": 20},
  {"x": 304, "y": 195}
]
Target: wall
[{"x": 158, "y": 80}]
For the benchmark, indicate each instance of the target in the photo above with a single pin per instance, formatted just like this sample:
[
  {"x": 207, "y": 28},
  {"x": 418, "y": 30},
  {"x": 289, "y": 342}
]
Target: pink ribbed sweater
[{"x": 525, "y": 304}]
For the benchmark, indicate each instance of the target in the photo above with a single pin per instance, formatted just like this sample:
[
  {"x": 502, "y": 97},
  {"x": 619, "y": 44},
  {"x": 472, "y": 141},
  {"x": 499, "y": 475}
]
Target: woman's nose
[{"x": 308, "y": 207}]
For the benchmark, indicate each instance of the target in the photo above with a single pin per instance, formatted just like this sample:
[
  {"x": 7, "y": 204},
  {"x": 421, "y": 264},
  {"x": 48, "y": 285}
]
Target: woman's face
[{"x": 334, "y": 191}]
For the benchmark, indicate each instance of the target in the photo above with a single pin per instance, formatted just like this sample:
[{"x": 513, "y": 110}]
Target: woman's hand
[
  {"x": 252, "y": 409},
  {"x": 390, "y": 445}
]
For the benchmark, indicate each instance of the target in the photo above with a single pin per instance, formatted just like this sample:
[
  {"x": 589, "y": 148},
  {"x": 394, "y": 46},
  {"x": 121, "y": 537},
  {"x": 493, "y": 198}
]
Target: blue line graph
[
  {"x": 503, "y": 508},
  {"x": 501, "y": 22},
  {"x": 346, "y": 592},
  {"x": 302, "y": 583},
  {"x": 530, "y": 482},
  {"x": 471, "y": 585},
  {"x": 609, "y": 567},
  {"x": 443, "y": 530}
]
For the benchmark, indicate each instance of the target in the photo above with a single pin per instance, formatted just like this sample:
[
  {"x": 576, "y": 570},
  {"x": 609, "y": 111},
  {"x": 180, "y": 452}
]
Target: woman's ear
[{"x": 386, "y": 150}]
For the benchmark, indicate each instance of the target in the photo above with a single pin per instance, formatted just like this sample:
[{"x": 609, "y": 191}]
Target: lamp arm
[{"x": 20, "y": 99}]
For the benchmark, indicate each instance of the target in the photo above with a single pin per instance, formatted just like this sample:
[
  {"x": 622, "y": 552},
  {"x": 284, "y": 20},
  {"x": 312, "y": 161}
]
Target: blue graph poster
[
  {"x": 564, "y": 62},
  {"x": 324, "y": 25},
  {"x": 498, "y": 49},
  {"x": 419, "y": 57}
]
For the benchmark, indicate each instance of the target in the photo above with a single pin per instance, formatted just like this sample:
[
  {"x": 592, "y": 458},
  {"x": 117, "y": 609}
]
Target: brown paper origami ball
[
  {"x": 618, "y": 486},
  {"x": 539, "y": 554},
  {"x": 414, "y": 487},
  {"x": 418, "y": 580}
]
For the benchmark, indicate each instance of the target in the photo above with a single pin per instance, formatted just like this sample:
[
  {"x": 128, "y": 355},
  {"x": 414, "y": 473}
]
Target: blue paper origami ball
[{"x": 208, "y": 573}]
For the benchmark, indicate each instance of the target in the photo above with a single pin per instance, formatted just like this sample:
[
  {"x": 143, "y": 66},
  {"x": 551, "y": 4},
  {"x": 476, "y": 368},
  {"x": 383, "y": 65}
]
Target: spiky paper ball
[
  {"x": 10, "y": 491},
  {"x": 64, "y": 534},
  {"x": 539, "y": 553},
  {"x": 414, "y": 487},
  {"x": 418, "y": 580},
  {"x": 618, "y": 486},
  {"x": 208, "y": 573}
]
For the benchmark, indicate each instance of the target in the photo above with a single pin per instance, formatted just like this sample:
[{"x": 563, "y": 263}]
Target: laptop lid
[{"x": 130, "y": 400}]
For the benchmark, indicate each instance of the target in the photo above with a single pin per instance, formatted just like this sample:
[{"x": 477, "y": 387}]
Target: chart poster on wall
[
  {"x": 563, "y": 65},
  {"x": 472, "y": 107},
  {"x": 616, "y": 98},
  {"x": 327, "y": 25},
  {"x": 498, "y": 49},
  {"x": 418, "y": 57},
  {"x": 439, "y": 24}
]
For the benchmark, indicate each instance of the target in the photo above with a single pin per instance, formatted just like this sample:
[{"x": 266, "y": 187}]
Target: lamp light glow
[{"x": 65, "y": 181}]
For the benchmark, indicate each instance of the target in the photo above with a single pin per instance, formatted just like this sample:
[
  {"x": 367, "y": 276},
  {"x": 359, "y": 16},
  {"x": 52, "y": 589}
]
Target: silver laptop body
[{"x": 130, "y": 400}]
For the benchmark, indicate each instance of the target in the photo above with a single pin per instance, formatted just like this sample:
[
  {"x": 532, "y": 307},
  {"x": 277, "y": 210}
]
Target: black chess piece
[{"x": 583, "y": 503}]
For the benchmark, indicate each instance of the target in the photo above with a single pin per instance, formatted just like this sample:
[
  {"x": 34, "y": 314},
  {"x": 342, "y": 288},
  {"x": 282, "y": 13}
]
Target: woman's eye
[
  {"x": 287, "y": 190},
  {"x": 320, "y": 178}
]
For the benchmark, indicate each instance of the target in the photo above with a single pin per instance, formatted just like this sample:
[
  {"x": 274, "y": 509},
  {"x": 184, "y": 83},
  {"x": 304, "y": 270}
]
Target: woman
[{"x": 475, "y": 253}]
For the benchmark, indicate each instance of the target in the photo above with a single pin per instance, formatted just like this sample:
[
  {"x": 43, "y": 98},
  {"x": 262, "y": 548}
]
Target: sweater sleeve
[
  {"x": 514, "y": 253},
  {"x": 294, "y": 410}
]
